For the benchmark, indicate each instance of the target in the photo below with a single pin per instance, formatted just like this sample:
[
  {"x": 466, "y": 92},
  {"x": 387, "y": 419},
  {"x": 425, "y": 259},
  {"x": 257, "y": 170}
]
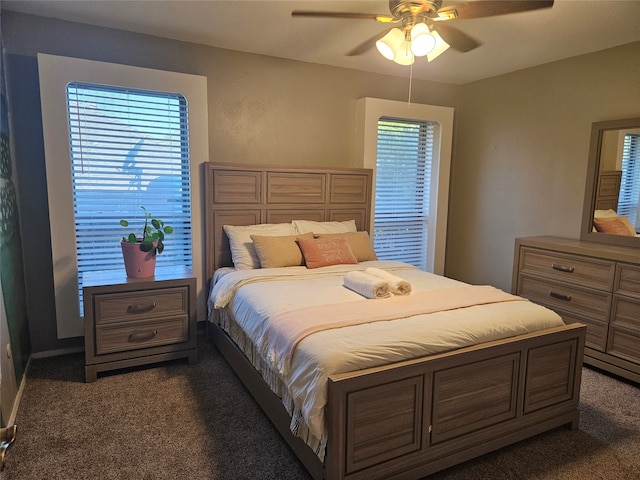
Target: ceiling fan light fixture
[
  {"x": 390, "y": 44},
  {"x": 404, "y": 55},
  {"x": 440, "y": 47},
  {"x": 422, "y": 42},
  {"x": 419, "y": 22}
]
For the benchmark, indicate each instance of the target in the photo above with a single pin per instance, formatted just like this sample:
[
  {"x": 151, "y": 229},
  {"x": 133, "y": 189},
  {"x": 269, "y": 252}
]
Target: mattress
[{"x": 244, "y": 301}]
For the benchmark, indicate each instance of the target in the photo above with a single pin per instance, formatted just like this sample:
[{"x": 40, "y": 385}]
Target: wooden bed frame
[{"x": 411, "y": 418}]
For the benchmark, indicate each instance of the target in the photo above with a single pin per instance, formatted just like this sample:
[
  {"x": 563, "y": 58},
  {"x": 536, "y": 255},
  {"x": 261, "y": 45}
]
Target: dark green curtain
[{"x": 11, "y": 260}]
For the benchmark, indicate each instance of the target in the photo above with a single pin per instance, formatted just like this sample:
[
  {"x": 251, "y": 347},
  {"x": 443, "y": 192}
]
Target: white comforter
[{"x": 254, "y": 295}]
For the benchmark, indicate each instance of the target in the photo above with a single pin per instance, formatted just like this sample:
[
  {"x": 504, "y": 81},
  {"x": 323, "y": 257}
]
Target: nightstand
[{"x": 137, "y": 321}]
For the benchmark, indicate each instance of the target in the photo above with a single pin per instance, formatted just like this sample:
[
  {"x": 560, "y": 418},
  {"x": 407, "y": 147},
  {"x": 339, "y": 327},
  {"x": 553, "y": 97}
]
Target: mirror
[{"x": 611, "y": 206}]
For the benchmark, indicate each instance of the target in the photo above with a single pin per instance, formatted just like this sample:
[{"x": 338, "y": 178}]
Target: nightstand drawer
[
  {"x": 118, "y": 307},
  {"x": 138, "y": 335},
  {"x": 568, "y": 268}
]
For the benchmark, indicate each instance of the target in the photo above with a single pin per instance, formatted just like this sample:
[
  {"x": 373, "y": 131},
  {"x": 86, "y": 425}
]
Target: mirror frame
[{"x": 586, "y": 233}]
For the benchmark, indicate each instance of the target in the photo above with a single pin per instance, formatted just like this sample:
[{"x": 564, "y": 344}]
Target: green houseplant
[{"x": 140, "y": 247}]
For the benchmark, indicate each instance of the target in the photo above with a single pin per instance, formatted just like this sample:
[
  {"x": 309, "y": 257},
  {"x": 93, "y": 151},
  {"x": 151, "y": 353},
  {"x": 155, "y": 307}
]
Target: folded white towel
[
  {"x": 366, "y": 285},
  {"x": 397, "y": 285}
]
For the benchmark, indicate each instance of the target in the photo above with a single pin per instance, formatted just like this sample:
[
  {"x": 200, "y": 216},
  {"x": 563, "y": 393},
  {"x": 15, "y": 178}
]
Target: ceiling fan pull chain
[{"x": 410, "y": 80}]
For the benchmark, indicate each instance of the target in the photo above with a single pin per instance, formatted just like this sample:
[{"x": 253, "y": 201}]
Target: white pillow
[
  {"x": 306, "y": 226},
  {"x": 604, "y": 213},
  {"x": 243, "y": 253}
]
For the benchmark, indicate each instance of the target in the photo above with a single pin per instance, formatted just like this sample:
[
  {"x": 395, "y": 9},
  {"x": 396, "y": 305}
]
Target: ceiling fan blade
[
  {"x": 455, "y": 38},
  {"x": 489, "y": 8},
  {"x": 366, "y": 45},
  {"x": 357, "y": 16}
]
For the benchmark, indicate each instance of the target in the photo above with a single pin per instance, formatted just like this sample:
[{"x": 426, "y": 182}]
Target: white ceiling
[{"x": 509, "y": 42}]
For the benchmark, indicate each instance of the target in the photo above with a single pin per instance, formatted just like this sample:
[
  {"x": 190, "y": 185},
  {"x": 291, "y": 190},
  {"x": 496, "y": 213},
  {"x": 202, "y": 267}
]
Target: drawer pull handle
[
  {"x": 141, "y": 308},
  {"x": 560, "y": 296},
  {"x": 562, "y": 268},
  {"x": 141, "y": 337}
]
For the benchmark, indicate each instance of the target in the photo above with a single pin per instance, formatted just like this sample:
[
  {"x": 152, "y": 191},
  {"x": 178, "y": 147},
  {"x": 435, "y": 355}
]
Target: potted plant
[{"x": 140, "y": 247}]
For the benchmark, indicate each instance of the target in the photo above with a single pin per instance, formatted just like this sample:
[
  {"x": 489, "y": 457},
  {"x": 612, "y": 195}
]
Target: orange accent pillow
[
  {"x": 619, "y": 225},
  {"x": 323, "y": 252}
]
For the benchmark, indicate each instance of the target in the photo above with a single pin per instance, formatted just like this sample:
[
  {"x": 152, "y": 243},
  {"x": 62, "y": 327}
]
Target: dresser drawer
[
  {"x": 113, "y": 338},
  {"x": 624, "y": 343},
  {"x": 573, "y": 299},
  {"x": 596, "y": 330},
  {"x": 625, "y": 312},
  {"x": 582, "y": 271},
  {"x": 117, "y": 307},
  {"x": 628, "y": 280}
]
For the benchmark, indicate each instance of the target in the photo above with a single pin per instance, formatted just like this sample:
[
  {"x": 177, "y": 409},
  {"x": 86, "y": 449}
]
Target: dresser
[
  {"x": 137, "y": 321},
  {"x": 594, "y": 284}
]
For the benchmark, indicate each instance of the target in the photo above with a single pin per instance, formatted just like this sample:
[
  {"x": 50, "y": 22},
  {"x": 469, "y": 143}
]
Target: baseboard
[
  {"x": 16, "y": 401},
  {"x": 56, "y": 353}
]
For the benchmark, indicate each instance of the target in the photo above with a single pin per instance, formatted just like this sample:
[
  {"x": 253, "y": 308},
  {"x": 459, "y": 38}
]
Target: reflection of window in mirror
[
  {"x": 619, "y": 177},
  {"x": 630, "y": 182}
]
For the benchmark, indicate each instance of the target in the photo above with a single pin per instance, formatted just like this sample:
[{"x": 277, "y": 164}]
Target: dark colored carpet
[{"x": 175, "y": 420}]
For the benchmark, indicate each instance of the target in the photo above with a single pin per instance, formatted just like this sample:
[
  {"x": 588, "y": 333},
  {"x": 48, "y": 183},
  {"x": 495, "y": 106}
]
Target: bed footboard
[{"x": 417, "y": 417}]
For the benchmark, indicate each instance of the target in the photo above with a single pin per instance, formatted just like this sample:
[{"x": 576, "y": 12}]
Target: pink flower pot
[{"x": 137, "y": 263}]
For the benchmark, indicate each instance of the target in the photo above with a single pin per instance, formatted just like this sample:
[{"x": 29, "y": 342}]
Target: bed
[{"x": 404, "y": 414}]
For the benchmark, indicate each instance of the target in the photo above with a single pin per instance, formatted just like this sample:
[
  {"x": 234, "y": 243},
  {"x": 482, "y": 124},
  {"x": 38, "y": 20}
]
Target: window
[
  {"x": 58, "y": 76},
  {"x": 128, "y": 148},
  {"x": 431, "y": 191},
  {"x": 403, "y": 179},
  {"x": 630, "y": 183}
]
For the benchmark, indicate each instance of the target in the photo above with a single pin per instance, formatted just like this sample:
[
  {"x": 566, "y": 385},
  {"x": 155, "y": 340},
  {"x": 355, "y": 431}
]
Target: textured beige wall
[
  {"x": 269, "y": 110},
  {"x": 520, "y": 155}
]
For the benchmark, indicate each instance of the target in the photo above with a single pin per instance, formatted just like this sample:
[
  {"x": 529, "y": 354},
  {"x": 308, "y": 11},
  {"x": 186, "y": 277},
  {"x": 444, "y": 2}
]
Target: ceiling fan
[{"x": 423, "y": 28}]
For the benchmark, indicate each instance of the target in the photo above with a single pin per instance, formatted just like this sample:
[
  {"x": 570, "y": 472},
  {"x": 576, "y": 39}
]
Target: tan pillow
[
  {"x": 359, "y": 242},
  {"x": 243, "y": 252},
  {"x": 279, "y": 251},
  {"x": 322, "y": 252},
  {"x": 619, "y": 225}
]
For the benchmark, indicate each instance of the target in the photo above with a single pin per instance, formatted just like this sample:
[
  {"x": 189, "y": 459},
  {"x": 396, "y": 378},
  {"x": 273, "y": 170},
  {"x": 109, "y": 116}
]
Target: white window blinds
[
  {"x": 403, "y": 179},
  {"x": 630, "y": 183},
  {"x": 129, "y": 148}
]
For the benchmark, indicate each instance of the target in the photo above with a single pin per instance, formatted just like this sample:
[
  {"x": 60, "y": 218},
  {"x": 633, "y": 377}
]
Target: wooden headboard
[{"x": 253, "y": 194}]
